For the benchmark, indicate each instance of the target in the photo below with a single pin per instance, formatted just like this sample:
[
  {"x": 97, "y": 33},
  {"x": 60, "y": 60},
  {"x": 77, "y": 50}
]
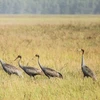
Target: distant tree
[
  {"x": 50, "y": 6},
  {"x": 63, "y": 6},
  {"x": 97, "y": 8}
]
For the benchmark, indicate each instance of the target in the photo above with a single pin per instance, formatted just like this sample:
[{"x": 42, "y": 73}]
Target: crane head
[
  {"x": 82, "y": 51},
  {"x": 37, "y": 55},
  {"x": 18, "y": 57}
]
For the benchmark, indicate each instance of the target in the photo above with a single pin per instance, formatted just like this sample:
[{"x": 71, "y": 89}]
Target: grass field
[{"x": 57, "y": 40}]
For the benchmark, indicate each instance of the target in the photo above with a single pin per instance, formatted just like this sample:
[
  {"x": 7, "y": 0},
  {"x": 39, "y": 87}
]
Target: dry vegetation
[{"x": 57, "y": 40}]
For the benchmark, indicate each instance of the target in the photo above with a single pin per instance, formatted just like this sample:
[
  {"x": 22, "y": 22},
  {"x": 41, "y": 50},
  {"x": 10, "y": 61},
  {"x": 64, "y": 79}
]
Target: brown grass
[{"x": 57, "y": 40}]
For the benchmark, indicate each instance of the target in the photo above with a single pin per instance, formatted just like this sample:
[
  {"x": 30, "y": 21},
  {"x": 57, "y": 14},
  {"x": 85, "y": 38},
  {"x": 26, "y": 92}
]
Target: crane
[
  {"x": 10, "y": 69},
  {"x": 87, "y": 72},
  {"x": 48, "y": 71},
  {"x": 31, "y": 71}
]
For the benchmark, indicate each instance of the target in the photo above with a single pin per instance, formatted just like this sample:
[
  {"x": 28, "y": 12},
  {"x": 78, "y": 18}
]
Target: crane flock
[{"x": 32, "y": 71}]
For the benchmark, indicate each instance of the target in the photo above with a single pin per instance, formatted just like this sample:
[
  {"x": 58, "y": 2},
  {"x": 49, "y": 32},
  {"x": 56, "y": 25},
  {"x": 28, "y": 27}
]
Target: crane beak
[{"x": 16, "y": 59}]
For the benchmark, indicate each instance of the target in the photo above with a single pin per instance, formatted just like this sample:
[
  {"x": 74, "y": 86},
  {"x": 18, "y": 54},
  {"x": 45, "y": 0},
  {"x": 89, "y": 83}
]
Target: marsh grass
[{"x": 57, "y": 40}]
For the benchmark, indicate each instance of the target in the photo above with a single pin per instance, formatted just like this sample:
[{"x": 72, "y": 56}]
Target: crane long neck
[
  {"x": 39, "y": 63},
  {"x": 83, "y": 62},
  {"x": 20, "y": 63}
]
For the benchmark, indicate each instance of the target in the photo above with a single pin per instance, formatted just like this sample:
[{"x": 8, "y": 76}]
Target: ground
[{"x": 57, "y": 39}]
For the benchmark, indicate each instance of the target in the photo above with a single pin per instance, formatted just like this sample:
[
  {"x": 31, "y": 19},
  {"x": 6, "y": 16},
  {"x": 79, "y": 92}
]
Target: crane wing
[
  {"x": 31, "y": 70},
  {"x": 49, "y": 69},
  {"x": 10, "y": 68},
  {"x": 88, "y": 71},
  {"x": 51, "y": 72}
]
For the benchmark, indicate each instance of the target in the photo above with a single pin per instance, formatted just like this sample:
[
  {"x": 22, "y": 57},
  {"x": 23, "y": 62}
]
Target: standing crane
[
  {"x": 29, "y": 70},
  {"x": 87, "y": 72},
  {"x": 10, "y": 69},
  {"x": 48, "y": 71}
]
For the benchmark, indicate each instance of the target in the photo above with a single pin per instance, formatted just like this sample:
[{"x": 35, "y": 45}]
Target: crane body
[
  {"x": 87, "y": 72},
  {"x": 10, "y": 69},
  {"x": 48, "y": 71}
]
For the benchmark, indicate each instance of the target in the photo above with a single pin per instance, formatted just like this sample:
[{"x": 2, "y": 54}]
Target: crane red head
[
  {"x": 37, "y": 55},
  {"x": 18, "y": 57},
  {"x": 82, "y": 51}
]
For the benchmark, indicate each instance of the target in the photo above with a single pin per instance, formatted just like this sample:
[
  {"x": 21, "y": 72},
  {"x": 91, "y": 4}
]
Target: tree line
[{"x": 49, "y": 6}]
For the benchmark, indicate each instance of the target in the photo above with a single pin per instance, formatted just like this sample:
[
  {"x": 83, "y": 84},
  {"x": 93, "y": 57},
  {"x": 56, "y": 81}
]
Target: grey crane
[
  {"x": 87, "y": 72},
  {"x": 10, "y": 69},
  {"x": 31, "y": 71},
  {"x": 48, "y": 71}
]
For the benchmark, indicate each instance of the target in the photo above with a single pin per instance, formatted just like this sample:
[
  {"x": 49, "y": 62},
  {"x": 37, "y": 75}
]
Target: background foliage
[{"x": 49, "y": 6}]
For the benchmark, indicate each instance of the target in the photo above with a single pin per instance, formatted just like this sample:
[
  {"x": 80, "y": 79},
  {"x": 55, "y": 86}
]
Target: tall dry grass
[{"x": 57, "y": 40}]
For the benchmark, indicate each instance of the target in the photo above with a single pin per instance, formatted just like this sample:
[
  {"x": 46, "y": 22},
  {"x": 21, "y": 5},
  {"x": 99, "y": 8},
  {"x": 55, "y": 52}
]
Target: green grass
[{"x": 57, "y": 40}]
